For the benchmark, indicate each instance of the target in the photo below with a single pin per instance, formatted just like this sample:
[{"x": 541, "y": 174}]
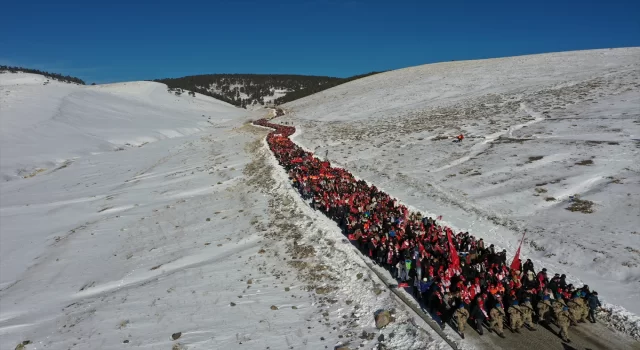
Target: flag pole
[{"x": 515, "y": 264}]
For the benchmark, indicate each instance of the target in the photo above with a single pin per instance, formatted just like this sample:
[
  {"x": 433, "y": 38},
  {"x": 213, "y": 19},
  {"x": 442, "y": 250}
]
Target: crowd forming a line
[{"x": 453, "y": 275}]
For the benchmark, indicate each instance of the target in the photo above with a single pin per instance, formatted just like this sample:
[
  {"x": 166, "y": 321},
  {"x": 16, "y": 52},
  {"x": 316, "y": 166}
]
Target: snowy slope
[
  {"x": 149, "y": 219},
  {"x": 538, "y": 130},
  {"x": 33, "y": 122}
]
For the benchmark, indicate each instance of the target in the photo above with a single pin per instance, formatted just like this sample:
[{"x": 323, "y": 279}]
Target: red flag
[
  {"x": 455, "y": 259},
  {"x": 515, "y": 264},
  {"x": 353, "y": 197}
]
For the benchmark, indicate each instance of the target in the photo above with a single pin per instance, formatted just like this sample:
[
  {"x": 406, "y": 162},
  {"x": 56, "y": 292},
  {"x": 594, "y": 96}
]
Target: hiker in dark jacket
[
  {"x": 467, "y": 271},
  {"x": 503, "y": 256},
  {"x": 478, "y": 315},
  {"x": 554, "y": 283},
  {"x": 563, "y": 283},
  {"x": 528, "y": 266},
  {"x": 425, "y": 288},
  {"x": 433, "y": 300},
  {"x": 594, "y": 304}
]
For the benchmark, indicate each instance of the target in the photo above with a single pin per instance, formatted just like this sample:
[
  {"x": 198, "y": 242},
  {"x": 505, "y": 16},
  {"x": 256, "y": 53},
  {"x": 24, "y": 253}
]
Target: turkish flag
[
  {"x": 515, "y": 264},
  {"x": 455, "y": 259}
]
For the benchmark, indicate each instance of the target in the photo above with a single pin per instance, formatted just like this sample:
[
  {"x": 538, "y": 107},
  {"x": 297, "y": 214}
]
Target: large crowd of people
[{"x": 455, "y": 276}]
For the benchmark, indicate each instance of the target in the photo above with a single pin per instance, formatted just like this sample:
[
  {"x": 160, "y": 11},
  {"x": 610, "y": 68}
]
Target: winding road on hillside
[{"x": 584, "y": 336}]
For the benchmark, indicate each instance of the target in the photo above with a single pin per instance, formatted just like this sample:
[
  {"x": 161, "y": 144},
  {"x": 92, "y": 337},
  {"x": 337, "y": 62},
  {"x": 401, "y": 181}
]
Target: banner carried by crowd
[{"x": 453, "y": 275}]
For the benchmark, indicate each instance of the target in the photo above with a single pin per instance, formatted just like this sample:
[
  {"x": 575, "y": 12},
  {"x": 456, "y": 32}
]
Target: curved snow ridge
[
  {"x": 8, "y": 210},
  {"x": 111, "y": 210},
  {"x": 45, "y": 123},
  {"x": 161, "y": 134},
  {"x": 145, "y": 274},
  {"x": 13, "y": 327}
]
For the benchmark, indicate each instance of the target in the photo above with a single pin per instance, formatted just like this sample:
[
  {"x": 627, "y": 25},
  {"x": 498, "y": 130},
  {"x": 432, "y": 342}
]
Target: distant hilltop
[
  {"x": 53, "y": 76},
  {"x": 240, "y": 90},
  {"x": 255, "y": 90}
]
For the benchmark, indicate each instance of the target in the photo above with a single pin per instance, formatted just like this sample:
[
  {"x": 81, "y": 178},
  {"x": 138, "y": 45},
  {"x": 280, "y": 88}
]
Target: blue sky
[{"x": 111, "y": 41}]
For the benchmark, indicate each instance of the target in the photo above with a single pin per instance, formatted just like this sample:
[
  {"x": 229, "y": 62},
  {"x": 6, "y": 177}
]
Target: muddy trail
[{"x": 584, "y": 336}]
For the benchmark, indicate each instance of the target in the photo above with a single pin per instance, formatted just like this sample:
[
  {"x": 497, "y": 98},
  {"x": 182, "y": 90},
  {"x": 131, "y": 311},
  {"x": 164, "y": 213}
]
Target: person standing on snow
[
  {"x": 542, "y": 277},
  {"x": 497, "y": 319},
  {"x": 502, "y": 256},
  {"x": 544, "y": 309},
  {"x": 594, "y": 304},
  {"x": 562, "y": 283},
  {"x": 528, "y": 266},
  {"x": 554, "y": 283},
  {"x": 557, "y": 307},
  {"x": 576, "y": 309},
  {"x": 461, "y": 316},
  {"x": 407, "y": 263},
  {"x": 515, "y": 316},
  {"x": 447, "y": 308},
  {"x": 416, "y": 287},
  {"x": 425, "y": 287},
  {"x": 402, "y": 270},
  {"x": 583, "y": 306},
  {"x": 527, "y": 314},
  {"x": 478, "y": 314},
  {"x": 564, "y": 319}
]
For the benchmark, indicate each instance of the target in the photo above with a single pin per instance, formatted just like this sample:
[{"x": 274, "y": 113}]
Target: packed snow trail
[{"x": 291, "y": 156}]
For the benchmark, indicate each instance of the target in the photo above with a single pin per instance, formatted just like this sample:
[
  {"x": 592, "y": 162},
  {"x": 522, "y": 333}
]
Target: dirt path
[
  {"x": 584, "y": 336},
  {"x": 342, "y": 308}
]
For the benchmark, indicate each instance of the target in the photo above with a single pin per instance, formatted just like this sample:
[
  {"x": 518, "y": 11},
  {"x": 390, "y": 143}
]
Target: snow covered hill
[
  {"x": 543, "y": 134},
  {"x": 91, "y": 119},
  {"x": 132, "y": 217}
]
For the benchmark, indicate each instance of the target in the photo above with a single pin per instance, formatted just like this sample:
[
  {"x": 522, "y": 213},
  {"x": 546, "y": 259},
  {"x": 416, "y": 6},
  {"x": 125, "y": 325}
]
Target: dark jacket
[
  {"x": 562, "y": 283},
  {"x": 477, "y": 313},
  {"x": 528, "y": 266},
  {"x": 593, "y": 301},
  {"x": 425, "y": 286}
]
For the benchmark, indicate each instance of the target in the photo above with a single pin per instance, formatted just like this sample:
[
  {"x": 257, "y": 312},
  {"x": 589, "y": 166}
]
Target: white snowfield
[
  {"x": 91, "y": 119},
  {"x": 129, "y": 214},
  {"x": 538, "y": 130}
]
